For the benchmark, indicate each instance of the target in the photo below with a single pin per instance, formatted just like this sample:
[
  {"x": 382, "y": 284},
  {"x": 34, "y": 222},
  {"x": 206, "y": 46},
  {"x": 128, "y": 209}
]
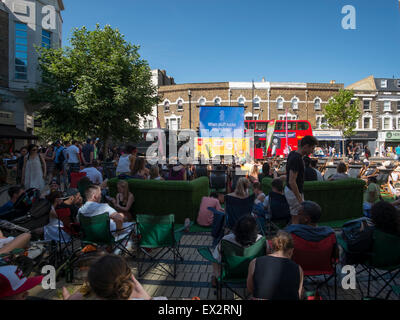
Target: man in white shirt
[
  {"x": 73, "y": 154},
  {"x": 93, "y": 174},
  {"x": 93, "y": 207}
]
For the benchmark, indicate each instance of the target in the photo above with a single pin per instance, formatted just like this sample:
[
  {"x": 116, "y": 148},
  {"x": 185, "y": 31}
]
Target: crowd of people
[{"x": 274, "y": 276}]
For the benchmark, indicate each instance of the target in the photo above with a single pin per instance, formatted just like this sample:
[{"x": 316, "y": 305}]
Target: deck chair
[
  {"x": 234, "y": 264},
  {"x": 158, "y": 232},
  {"x": 75, "y": 177},
  {"x": 371, "y": 170},
  {"x": 317, "y": 258},
  {"x": 355, "y": 171},
  {"x": 329, "y": 172},
  {"x": 236, "y": 208},
  {"x": 383, "y": 182},
  {"x": 96, "y": 230},
  {"x": 384, "y": 262}
]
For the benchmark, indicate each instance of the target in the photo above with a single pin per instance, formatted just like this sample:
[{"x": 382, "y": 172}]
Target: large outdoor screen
[{"x": 222, "y": 122}]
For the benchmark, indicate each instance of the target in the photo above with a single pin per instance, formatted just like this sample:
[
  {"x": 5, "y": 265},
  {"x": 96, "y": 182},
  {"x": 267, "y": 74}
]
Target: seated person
[
  {"x": 14, "y": 285},
  {"x": 93, "y": 207},
  {"x": 139, "y": 170},
  {"x": 177, "y": 173},
  {"x": 275, "y": 202},
  {"x": 155, "y": 173},
  {"x": 341, "y": 172},
  {"x": 386, "y": 218},
  {"x": 260, "y": 196},
  {"x": 205, "y": 217},
  {"x": 124, "y": 200},
  {"x": 371, "y": 196},
  {"x": 276, "y": 276},
  {"x": 314, "y": 164},
  {"x": 111, "y": 278},
  {"x": 14, "y": 193},
  {"x": 253, "y": 176},
  {"x": 266, "y": 172},
  {"x": 244, "y": 234},
  {"x": 309, "y": 173},
  {"x": 307, "y": 229},
  {"x": 53, "y": 186},
  {"x": 93, "y": 174},
  {"x": 8, "y": 244},
  {"x": 73, "y": 201},
  {"x": 242, "y": 189}
]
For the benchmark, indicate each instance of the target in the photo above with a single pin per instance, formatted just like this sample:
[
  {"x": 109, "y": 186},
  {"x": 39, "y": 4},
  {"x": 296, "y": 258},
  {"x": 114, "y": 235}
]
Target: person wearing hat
[
  {"x": 72, "y": 201},
  {"x": 14, "y": 285}
]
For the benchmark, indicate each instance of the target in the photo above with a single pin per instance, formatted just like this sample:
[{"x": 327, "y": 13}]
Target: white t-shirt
[
  {"x": 319, "y": 175},
  {"x": 73, "y": 154},
  {"x": 94, "y": 175},
  {"x": 91, "y": 209}
]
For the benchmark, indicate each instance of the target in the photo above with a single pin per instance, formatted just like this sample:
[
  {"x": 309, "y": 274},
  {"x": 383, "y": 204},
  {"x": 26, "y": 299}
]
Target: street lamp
[{"x": 190, "y": 108}]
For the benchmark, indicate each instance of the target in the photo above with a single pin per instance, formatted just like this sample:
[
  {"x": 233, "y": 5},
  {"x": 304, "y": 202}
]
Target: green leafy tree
[
  {"x": 342, "y": 113},
  {"x": 98, "y": 87}
]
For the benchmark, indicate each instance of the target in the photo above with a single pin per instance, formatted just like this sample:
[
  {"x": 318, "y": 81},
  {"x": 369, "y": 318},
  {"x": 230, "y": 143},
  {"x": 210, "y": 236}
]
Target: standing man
[
  {"x": 88, "y": 152},
  {"x": 295, "y": 175},
  {"x": 59, "y": 159},
  {"x": 73, "y": 158}
]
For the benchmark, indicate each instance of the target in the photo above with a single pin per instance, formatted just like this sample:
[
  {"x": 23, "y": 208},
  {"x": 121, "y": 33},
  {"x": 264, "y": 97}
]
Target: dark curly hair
[
  {"x": 110, "y": 278},
  {"x": 386, "y": 217},
  {"x": 245, "y": 231}
]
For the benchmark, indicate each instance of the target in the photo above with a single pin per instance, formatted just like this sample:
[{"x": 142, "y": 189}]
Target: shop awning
[
  {"x": 12, "y": 132},
  {"x": 327, "y": 138}
]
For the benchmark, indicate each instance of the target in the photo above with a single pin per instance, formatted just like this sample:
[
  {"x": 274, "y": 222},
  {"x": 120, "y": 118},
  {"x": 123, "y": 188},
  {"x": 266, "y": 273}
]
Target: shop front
[
  {"x": 389, "y": 140},
  {"x": 365, "y": 138},
  {"x": 329, "y": 138}
]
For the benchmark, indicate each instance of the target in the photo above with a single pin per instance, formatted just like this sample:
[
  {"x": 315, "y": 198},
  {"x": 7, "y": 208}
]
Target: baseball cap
[{"x": 13, "y": 281}]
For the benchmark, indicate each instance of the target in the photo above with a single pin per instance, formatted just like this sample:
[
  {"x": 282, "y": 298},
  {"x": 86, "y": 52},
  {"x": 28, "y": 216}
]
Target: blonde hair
[
  {"x": 283, "y": 241},
  {"x": 125, "y": 185},
  {"x": 154, "y": 172},
  {"x": 241, "y": 187}
]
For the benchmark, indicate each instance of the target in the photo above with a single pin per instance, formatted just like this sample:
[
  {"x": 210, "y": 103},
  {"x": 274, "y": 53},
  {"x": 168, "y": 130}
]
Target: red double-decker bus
[{"x": 297, "y": 130}]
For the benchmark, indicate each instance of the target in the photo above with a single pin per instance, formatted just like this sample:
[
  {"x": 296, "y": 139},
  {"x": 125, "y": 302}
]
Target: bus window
[
  {"x": 251, "y": 125},
  {"x": 292, "y": 126},
  {"x": 280, "y": 126},
  {"x": 261, "y": 126},
  {"x": 259, "y": 144},
  {"x": 302, "y": 126},
  {"x": 246, "y": 125}
]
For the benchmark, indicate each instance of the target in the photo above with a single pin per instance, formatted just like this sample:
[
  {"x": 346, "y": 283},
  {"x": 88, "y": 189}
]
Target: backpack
[
  {"x": 61, "y": 157},
  {"x": 358, "y": 236}
]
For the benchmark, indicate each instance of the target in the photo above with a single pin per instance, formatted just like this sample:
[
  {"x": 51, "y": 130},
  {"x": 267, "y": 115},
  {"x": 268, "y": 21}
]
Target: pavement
[{"x": 194, "y": 279}]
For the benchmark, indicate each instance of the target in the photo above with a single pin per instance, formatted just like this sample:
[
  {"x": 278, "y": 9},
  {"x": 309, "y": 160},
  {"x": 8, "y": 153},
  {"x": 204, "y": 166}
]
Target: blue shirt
[
  {"x": 6, "y": 207},
  {"x": 398, "y": 151},
  {"x": 58, "y": 151},
  {"x": 310, "y": 233}
]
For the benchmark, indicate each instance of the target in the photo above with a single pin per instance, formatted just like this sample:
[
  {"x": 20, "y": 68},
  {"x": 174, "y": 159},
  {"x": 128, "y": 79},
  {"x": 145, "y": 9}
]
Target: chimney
[
  {"x": 333, "y": 82},
  {"x": 263, "y": 79}
]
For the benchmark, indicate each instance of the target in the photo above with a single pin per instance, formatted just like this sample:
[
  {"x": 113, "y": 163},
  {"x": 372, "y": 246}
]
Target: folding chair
[
  {"x": 218, "y": 180},
  {"x": 71, "y": 228},
  {"x": 317, "y": 258},
  {"x": 355, "y": 171},
  {"x": 234, "y": 264},
  {"x": 157, "y": 232},
  {"x": 235, "y": 208},
  {"x": 75, "y": 178},
  {"x": 96, "y": 230},
  {"x": 383, "y": 182},
  {"x": 385, "y": 256},
  {"x": 329, "y": 172}
]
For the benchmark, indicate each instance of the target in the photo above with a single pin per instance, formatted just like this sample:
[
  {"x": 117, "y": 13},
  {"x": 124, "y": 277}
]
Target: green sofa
[
  {"x": 181, "y": 198},
  {"x": 339, "y": 200}
]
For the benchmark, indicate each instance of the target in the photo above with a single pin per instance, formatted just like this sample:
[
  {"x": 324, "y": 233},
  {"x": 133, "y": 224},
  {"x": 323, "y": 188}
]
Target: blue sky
[{"x": 242, "y": 40}]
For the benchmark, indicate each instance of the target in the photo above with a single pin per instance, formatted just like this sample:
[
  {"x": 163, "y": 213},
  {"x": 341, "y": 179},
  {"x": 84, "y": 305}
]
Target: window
[
  {"x": 261, "y": 126},
  {"x": 166, "y": 106},
  {"x": 321, "y": 122},
  {"x": 302, "y": 126},
  {"x": 384, "y": 83},
  {"x": 398, "y": 106},
  {"x": 241, "y": 102},
  {"x": 295, "y": 104},
  {"x": 292, "y": 126},
  {"x": 150, "y": 122},
  {"x": 180, "y": 105},
  {"x": 398, "y": 123},
  {"x": 398, "y": 83},
  {"x": 367, "y": 123},
  {"x": 46, "y": 39},
  {"x": 317, "y": 104},
  {"x": 367, "y": 105},
  {"x": 280, "y": 126},
  {"x": 256, "y": 103},
  {"x": 217, "y": 101},
  {"x": 202, "y": 102},
  {"x": 386, "y": 106},
  {"x": 386, "y": 124},
  {"x": 279, "y": 103},
  {"x": 21, "y": 51}
]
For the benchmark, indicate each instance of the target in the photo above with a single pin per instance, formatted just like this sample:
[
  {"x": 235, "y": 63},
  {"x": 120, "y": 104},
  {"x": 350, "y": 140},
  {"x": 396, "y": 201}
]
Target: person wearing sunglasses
[{"x": 34, "y": 169}]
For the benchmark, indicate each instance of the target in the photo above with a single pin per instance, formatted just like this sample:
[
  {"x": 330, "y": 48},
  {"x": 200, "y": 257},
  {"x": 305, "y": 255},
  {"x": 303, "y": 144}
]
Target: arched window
[
  {"x": 295, "y": 103},
  {"x": 241, "y": 102},
  {"x": 217, "y": 101},
  {"x": 317, "y": 104},
  {"x": 256, "y": 103},
  {"x": 180, "y": 105},
  {"x": 166, "y": 106},
  {"x": 279, "y": 103},
  {"x": 202, "y": 102}
]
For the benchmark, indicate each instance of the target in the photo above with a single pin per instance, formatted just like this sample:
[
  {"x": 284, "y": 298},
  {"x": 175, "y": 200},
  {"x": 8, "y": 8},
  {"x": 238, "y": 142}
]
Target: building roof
[
  {"x": 367, "y": 84},
  {"x": 61, "y": 5},
  {"x": 392, "y": 84}
]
